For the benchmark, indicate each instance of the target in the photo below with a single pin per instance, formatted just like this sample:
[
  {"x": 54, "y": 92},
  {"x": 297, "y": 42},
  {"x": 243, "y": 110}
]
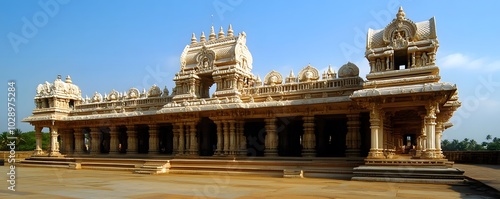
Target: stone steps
[
  {"x": 408, "y": 174},
  {"x": 322, "y": 167}
]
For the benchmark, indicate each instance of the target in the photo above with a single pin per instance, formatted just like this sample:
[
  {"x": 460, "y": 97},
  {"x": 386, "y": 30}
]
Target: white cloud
[{"x": 461, "y": 61}]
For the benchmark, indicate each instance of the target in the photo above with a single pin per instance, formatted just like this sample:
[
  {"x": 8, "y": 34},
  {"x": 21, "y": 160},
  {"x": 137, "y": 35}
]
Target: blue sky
[{"x": 113, "y": 44}]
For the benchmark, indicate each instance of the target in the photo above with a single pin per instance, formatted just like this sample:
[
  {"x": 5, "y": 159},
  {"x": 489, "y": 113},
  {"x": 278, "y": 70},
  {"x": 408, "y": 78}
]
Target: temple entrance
[
  {"x": 165, "y": 137},
  {"x": 255, "y": 132},
  {"x": 290, "y": 131},
  {"x": 207, "y": 136},
  {"x": 331, "y": 133},
  {"x": 122, "y": 139},
  {"x": 105, "y": 139},
  {"x": 409, "y": 142},
  {"x": 142, "y": 138}
]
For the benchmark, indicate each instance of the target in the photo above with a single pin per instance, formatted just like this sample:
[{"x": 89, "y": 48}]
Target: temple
[{"x": 398, "y": 113}]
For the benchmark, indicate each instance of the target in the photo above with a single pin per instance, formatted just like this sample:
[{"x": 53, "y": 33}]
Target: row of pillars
[{"x": 230, "y": 138}]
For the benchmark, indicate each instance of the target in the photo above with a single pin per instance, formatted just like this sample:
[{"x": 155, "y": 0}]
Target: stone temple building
[{"x": 399, "y": 111}]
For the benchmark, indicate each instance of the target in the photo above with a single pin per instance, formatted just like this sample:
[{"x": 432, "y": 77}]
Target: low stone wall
[
  {"x": 473, "y": 157},
  {"x": 20, "y": 155}
]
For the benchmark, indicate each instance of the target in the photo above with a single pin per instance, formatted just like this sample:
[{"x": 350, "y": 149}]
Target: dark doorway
[
  {"x": 166, "y": 137},
  {"x": 105, "y": 139},
  {"x": 122, "y": 139},
  {"x": 331, "y": 133},
  {"x": 364, "y": 129},
  {"x": 207, "y": 136},
  {"x": 290, "y": 131},
  {"x": 255, "y": 132},
  {"x": 142, "y": 138}
]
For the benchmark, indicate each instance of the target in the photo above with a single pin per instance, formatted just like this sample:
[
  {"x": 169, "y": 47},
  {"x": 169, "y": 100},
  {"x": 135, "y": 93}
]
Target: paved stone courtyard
[{"x": 64, "y": 183}]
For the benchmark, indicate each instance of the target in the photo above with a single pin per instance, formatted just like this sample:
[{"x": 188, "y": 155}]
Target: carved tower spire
[
  {"x": 211, "y": 37},
  {"x": 230, "y": 32},
  {"x": 221, "y": 33},
  {"x": 193, "y": 39},
  {"x": 202, "y": 37}
]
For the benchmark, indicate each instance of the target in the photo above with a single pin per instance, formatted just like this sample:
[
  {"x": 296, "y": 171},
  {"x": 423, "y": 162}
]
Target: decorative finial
[
  {"x": 58, "y": 76},
  {"x": 221, "y": 33},
  {"x": 230, "y": 31},
  {"x": 193, "y": 39},
  {"x": 330, "y": 71},
  {"x": 401, "y": 14},
  {"x": 202, "y": 37},
  {"x": 68, "y": 79},
  {"x": 212, "y": 34},
  {"x": 291, "y": 74}
]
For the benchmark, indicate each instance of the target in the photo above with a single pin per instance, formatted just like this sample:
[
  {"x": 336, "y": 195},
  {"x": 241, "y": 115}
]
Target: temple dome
[{"x": 348, "y": 70}]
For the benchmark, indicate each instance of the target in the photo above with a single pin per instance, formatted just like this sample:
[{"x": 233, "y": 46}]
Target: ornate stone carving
[
  {"x": 308, "y": 73},
  {"x": 273, "y": 78},
  {"x": 113, "y": 95},
  {"x": 400, "y": 31},
  {"x": 97, "y": 97},
  {"x": 154, "y": 91},
  {"x": 205, "y": 58},
  {"x": 133, "y": 93}
]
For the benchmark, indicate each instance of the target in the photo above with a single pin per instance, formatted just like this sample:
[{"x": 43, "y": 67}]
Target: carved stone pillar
[
  {"x": 381, "y": 132},
  {"x": 175, "y": 141},
  {"x": 375, "y": 150},
  {"x": 153, "y": 139},
  {"x": 95, "y": 141},
  {"x": 271, "y": 140},
  {"x": 430, "y": 130},
  {"x": 187, "y": 138},
  {"x": 220, "y": 141},
  {"x": 242, "y": 139},
  {"x": 38, "y": 136},
  {"x": 78, "y": 141},
  {"x": 439, "y": 134},
  {"x": 353, "y": 138},
  {"x": 113, "y": 140},
  {"x": 54, "y": 144},
  {"x": 226, "y": 138},
  {"x": 131, "y": 139},
  {"x": 309, "y": 138},
  {"x": 180, "y": 150},
  {"x": 193, "y": 147},
  {"x": 232, "y": 137}
]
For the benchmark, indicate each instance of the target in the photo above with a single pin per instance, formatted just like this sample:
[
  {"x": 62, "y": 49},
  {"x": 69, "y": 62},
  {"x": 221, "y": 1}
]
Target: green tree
[
  {"x": 494, "y": 145},
  {"x": 6, "y": 138}
]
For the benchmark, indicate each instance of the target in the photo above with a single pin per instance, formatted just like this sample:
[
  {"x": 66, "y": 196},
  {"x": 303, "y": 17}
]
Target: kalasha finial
[
  {"x": 68, "y": 79},
  {"x": 401, "y": 14},
  {"x": 193, "y": 39},
  {"x": 291, "y": 74},
  {"x": 212, "y": 34},
  {"x": 230, "y": 31},
  {"x": 221, "y": 33},
  {"x": 202, "y": 37}
]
